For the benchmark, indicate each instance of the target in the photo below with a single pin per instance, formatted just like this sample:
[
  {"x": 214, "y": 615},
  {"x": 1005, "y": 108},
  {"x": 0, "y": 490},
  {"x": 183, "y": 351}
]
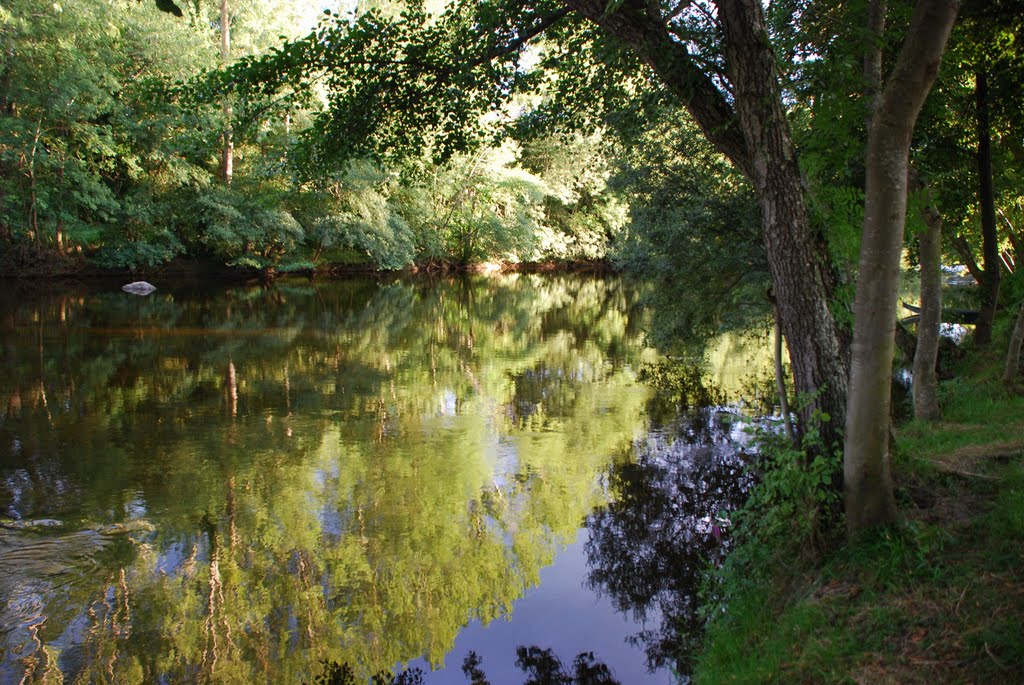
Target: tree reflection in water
[
  {"x": 247, "y": 483},
  {"x": 649, "y": 547},
  {"x": 540, "y": 666},
  {"x": 295, "y": 474}
]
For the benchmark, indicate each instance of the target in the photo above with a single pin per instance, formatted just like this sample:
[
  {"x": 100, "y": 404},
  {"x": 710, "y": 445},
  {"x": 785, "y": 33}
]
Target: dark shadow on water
[
  {"x": 539, "y": 666},
  {"x": 649, "y": 548}
]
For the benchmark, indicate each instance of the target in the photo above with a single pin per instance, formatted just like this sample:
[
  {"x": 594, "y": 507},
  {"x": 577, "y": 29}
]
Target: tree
[
  {"x": 1012, "y": 369},
  {"x": 752, "y": 131},
  {"x": 423, "y": 81},
  {"x": 925, "y": 388},
  {"x": 227, "y": 165},
  {"x": 867, "y": 482},
  {"x": 694, "y": 232},
  {"x": 967, "y": 148}
]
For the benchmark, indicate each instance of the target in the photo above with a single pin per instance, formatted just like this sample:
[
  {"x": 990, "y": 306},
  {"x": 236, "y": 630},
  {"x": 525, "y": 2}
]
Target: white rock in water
[{"x": 139, "y": 288}]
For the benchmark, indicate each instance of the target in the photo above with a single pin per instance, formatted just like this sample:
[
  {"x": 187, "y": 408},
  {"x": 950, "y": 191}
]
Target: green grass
[
  {"x": 977, "y": 409},
  {"x": 940, "y": 599}
]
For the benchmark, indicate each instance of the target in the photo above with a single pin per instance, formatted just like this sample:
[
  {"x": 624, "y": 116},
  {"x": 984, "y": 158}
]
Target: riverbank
[
  {"x": 27, "y": 262},
  {"x": 938, "y": 600}
]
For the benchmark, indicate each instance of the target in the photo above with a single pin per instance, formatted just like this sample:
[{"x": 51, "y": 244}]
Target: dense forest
[
  {"x": 121, "y": 145},
  {"x": 789, "y": 161}
]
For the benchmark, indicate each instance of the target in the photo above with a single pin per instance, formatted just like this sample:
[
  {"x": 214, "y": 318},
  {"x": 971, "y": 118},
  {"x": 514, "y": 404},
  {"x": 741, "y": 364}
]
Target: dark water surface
[{"x": 242, "y": 483}]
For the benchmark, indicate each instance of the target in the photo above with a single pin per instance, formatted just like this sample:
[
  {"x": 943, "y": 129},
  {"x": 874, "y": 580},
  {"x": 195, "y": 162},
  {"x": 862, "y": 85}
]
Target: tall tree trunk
[
  {"x": 867, "y": 484},
  {"x": 1012, "y": 371},
  {"x": 987, "y": 202},
  {"x": 227, "y": 162},
  {"x": 926, "y": 381},
  {"x": 33, "y": 211}
]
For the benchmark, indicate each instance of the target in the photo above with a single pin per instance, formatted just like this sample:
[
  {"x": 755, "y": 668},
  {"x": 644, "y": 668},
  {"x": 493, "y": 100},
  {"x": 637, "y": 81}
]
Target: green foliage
[
  {"x": 399, "y": 86},
  {"x": 791, "y": 511},
  {"x": 988, "y": 37},
  {"x": 355, "y": 214},
  {"x": 475, "y": 208},
  {"x": 55, "y": 142},
  {"x": 694, "y": 231},
  {"x": 796, "y": 501},
  {"x": 880, "y": 605},
  {"x": 582, "y": 218},
  {"x": 245, "y": 229}
]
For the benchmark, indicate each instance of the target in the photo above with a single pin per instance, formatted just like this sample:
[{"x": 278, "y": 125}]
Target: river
[{"x": 334, "y": 479}]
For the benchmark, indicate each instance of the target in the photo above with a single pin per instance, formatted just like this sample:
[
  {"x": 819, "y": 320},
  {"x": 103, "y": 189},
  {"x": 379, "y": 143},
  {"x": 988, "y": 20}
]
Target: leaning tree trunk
[
  {"x": 801, "y": 268},
  {"x": 986, "y": 200},
  {"x": 926, "y": 381},
  {"x": 750, "y": 128},
  {"x": 1012, "y": 370},
  {"x": 867, "y": 484}
]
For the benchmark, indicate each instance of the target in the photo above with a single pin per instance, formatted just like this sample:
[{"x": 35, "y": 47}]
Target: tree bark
[
  {"x": 868, "y": 493},
  {"x": 1012, "y": 371},
  {"x": 987, "y": 203},
  {"x": 963, "y": 249},
  {"x": 873, "y": 56},
  {"x": 1015, "y": 239},
  {"x": 926, "y": 381},
  {"x": 647, "y": 35}
]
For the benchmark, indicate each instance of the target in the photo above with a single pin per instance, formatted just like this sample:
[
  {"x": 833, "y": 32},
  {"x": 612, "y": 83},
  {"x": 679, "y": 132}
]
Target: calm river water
[{"x": 322, "y": 481}]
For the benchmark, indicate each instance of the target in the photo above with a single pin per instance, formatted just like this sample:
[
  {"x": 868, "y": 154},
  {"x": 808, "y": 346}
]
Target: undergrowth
[{"x": 937, "y": 599}]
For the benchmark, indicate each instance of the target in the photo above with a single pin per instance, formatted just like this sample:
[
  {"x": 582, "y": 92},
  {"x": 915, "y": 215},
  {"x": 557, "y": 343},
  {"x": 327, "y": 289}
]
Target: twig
[
  {"x": 958, "y": 472},
  {"x": 997, "y": 662},
  {"x": 956, "y": 609}
]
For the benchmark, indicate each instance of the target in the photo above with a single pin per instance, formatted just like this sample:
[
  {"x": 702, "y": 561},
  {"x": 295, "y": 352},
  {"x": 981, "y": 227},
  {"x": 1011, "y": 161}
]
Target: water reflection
[
  {"x": 345, "y": 472},
  {"x": 649, "y": 547},
  {"x": 330, "y": 480}
]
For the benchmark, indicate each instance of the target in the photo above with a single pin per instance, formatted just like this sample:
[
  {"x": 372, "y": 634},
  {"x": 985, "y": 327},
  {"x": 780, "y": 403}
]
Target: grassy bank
[{"x": 938, "y": 600}]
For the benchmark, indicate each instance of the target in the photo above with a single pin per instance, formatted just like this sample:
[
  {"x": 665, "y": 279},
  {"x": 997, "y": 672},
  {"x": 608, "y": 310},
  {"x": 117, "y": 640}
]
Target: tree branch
[
  {"x": 964, "y": 250},
  {"x": 672, "y": 62},
  {"x": 546, "y": 22}
]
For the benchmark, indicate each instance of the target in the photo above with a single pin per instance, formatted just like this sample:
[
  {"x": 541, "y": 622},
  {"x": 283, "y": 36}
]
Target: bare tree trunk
[
  {"x": 227, "y": 163},
  {"x": 867, "y": 485},
  {"x": 987, "y": 202},
  {"x": 1015, "y": 239},
  {"x": 1012, "y": 371},
  {"x": 33, "y": 212},
  {"x": 926, "y": 381},
  {"x": 963, "y": 249}
]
